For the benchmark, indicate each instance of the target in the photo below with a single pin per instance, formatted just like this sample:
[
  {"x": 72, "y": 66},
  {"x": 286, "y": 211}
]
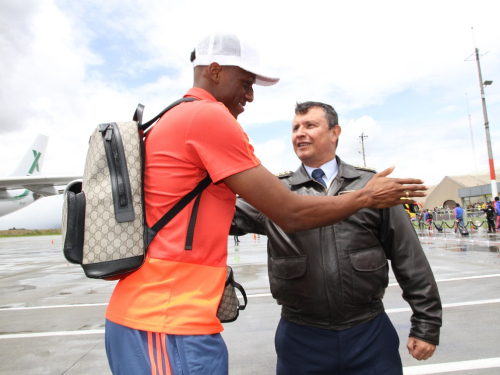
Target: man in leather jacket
[{"x": 330, "y": 281}]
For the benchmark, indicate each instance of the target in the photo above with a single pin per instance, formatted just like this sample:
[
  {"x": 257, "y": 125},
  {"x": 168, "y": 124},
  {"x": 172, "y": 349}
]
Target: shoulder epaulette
[
  {"x": 367, "y": 169},
  {"x": 284, "y": 174}
]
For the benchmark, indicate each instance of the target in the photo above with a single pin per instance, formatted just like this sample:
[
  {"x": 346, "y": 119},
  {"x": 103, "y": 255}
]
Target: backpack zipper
[
  {"x": 122, "y": 194},
  {"x": 120, "y": 184}
]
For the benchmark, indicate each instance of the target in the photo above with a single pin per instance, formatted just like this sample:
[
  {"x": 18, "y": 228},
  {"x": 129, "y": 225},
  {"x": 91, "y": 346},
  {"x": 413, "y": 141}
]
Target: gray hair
[{"x": 329, "y": 112}]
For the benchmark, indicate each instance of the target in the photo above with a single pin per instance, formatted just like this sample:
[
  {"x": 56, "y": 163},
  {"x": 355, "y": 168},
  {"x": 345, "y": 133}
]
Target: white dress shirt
[{"x": 330, "y": 168}]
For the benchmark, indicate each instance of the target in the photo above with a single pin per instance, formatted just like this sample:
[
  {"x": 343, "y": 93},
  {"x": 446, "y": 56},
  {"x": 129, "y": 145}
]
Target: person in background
[
  {"x": 459, "y": 216},
  {"x": 497, "y": 210},
  {"x": 489, "y": 212},
  {"x": 428, "y": 218},
  {"x": 420, "y": 217}
]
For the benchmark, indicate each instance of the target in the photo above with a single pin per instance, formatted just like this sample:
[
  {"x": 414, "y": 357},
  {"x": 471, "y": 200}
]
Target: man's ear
[
  {"x": 214, "y": 72},
  {"x": 336, "y": 130}
]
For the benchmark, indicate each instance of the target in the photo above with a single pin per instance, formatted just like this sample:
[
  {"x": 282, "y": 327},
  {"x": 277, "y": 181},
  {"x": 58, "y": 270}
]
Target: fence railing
[
  {"x": 450, "y": 215},
  {"x": 424, "y": 226}
]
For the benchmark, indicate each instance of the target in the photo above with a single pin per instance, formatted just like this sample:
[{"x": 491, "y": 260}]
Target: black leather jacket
[{"x": 335, "y": 277}]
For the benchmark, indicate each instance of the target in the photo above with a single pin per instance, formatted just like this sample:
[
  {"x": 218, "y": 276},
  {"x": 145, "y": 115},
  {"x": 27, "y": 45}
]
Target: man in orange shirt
[{"x": 162, "y": 318}]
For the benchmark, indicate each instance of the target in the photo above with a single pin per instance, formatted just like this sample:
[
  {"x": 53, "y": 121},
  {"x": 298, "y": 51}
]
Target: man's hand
[
  {"x": 388, "y": 192},
  {"x": 420, "y": 349}
]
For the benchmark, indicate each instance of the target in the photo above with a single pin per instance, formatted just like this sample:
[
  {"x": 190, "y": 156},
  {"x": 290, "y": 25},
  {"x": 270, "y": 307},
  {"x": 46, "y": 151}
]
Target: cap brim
[
  {"x": 265, "y": 81},
  {"x": 260, "y": 79}
]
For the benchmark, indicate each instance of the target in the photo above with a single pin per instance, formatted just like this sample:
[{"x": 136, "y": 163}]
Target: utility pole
[
  {"x": 472, "y": 139},
  {"x": 494, "y": 190},
  {"x": 363, "y": 136}
]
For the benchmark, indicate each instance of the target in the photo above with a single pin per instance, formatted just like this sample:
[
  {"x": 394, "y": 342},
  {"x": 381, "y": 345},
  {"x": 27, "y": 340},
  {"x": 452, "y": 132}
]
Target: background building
[{"x": 465, "y": 189}]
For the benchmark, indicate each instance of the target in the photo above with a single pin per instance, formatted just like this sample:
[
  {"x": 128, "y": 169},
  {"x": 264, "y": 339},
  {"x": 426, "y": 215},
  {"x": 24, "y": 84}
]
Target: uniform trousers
[
  {"x": 134, "y": 352},
  {"x": 371, "y": 348}
]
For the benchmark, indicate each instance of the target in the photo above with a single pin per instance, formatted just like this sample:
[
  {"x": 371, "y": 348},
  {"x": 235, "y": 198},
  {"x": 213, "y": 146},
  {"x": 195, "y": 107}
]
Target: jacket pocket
[
  {"x": 289, "y": 267},
  {"x": 288, "y": 281},
  {"x": 369, "y": 274}
]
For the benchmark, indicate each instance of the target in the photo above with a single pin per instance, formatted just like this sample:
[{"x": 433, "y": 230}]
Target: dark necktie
[{"x": 318, "y": 175}]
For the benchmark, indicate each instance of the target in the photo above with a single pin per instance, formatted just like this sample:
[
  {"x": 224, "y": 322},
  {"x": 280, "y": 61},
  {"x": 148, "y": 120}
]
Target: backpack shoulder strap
[
  {"x": 202, "y": 185},
  {"x": 151, "y": 232},
  {"x": 147, "y": 125},
  {"x": 138, "y": 114}
]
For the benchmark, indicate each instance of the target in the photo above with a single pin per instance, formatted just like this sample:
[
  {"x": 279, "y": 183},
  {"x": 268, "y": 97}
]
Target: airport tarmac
[{"x": 52, "y": 316}]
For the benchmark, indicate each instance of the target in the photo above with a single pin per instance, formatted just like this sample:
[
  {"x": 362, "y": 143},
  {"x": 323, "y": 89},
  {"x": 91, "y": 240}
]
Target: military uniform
[{"x": 334, "y": 278}]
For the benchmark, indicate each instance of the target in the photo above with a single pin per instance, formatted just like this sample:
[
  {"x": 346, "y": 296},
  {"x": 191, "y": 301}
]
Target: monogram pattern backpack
[{"x": 103, "y": 224}]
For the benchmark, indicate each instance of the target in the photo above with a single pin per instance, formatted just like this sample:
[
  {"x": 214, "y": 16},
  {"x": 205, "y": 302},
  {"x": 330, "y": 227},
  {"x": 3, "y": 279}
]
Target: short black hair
[
  {"x": 329, "y": 112},
  {"x": 193, "y": 55},
  {"x": 496, "y": 198}
]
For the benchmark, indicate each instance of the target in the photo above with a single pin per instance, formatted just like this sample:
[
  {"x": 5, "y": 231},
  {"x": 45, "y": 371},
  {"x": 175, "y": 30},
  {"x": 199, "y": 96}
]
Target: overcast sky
[{"x": 393, "y": 70}]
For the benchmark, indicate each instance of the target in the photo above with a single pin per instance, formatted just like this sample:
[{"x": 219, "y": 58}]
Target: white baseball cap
[{"x": 228, "y": 49}]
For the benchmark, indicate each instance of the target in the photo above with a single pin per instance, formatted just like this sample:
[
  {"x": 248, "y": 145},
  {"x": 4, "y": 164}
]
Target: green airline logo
[{"x": 35, "y": 162}]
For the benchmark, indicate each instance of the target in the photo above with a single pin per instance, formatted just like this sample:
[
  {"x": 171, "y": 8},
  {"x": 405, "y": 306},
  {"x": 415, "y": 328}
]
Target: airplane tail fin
[{"x": 31, "y": 163}]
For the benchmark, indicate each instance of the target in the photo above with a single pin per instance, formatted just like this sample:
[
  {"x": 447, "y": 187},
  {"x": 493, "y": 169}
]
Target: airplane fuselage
[{"x": 14, "y": 200}]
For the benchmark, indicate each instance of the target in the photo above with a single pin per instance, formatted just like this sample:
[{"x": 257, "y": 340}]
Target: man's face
[
  {"x": 313, "y": 142},
  {"x": 235, "y": 88}
]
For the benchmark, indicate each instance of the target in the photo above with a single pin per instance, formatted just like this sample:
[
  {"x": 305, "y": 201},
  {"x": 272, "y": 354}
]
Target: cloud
[
  {"x": 350, "y": 147},
  {"x": 393, "y": 70},
  {"x": 276, "y": 154}
]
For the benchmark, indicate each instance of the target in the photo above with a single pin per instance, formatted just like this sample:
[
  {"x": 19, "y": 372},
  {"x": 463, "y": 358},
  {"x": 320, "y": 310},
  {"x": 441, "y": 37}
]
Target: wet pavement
[{"x": 52, "y": 316}]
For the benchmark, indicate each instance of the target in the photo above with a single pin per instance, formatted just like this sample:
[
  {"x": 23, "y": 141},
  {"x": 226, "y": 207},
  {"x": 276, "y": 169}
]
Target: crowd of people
[
  {"x": 478, "y": 206},
  {"x": 489, "y": 210}
]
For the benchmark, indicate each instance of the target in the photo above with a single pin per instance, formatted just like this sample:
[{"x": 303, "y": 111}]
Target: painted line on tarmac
[
  {"x": 468, "y": 278},
  {"x": 448, "y": 305},
  {"x": 438, "y": 368},
  {"x": 441, "y": 368},
  {"x": 52, "y": 307},
  {"x": 396, "y": 284},
  {"x": 90, "y": 304},
  {"x": 52, "y": 334},
  {"x": 101, "y": 331},
  {"x": 460, "y": 278},
  {"x": 248, "y": 296}
]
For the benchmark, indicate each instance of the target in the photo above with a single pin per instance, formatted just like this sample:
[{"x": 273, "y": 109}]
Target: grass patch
[{"x": 29, "y": 232}]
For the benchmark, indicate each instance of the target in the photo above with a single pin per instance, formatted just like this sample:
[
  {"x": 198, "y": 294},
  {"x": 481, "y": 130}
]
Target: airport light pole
[{"x": 494, "y": 190}]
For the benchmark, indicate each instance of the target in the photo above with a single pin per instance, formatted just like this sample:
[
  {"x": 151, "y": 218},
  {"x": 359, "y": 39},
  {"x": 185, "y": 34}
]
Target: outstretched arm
[
  {"x": 293, "y": 212},
  {"x": 246, "y": 220}
]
